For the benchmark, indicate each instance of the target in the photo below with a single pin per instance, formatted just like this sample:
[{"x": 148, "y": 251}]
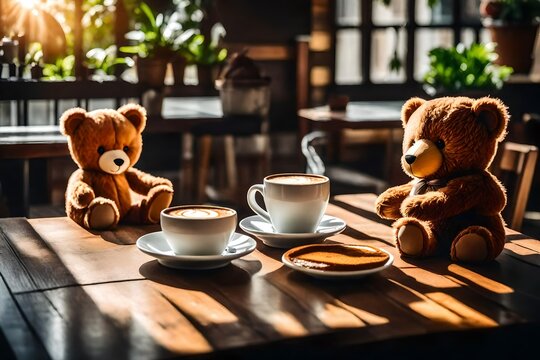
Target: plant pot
[
  {"x": 244, "y": 97},
  {"x": 207, "y": 75},
  {"x": 151, "y": 71},
  {"x": 179, "y": 68},
  {"x": 515, "y": 45},
  {"x": 36, "y": 72}
]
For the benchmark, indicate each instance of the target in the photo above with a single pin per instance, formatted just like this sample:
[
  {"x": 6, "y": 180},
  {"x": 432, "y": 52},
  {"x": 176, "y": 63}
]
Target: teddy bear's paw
[
  {"x": 386, "y": 210},
  {"x": 410, "y": 240},
  {"x": 158, "y": 203},
  {"x": 471, "y": 245},
  {"x": 101, "y": 215}
]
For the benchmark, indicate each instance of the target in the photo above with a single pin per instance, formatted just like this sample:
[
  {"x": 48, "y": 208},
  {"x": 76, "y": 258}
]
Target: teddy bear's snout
[
  {"x": 422, "y": 159},
  {"x": 114, "y": 162}
]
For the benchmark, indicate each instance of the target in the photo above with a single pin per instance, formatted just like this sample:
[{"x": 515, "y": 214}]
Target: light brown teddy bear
[
  {"x": 453, "y": 203},
  {"x": 105, "y": 144}
]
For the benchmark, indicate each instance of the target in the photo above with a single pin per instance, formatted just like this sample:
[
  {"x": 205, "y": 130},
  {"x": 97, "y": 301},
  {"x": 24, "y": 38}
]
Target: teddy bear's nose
[
  {"x": 408, "y": 158},
  {"x": 118, "y": 162}
]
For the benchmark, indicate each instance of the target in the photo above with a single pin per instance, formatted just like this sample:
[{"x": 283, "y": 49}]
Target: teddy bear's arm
[
  {"x": 142, "y": 183},
  {"x": 494, "y": 196},
  {"x": 458, "y": 196},
  {"x": 388, "y": 203},
  {"x": 79, "y": 190}
]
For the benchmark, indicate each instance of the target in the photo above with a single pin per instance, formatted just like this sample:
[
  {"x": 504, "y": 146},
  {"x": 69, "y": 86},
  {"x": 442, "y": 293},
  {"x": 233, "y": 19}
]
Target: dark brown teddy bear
[
  {"x": 105, "y": 144},
  {"x": 453, "y": 203}
]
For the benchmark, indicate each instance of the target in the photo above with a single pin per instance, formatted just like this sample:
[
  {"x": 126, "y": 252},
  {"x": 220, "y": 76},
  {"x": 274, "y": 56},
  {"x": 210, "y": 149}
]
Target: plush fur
[
  {"x": 105, "y": 144},
  {"x": 453, "y": 204}
]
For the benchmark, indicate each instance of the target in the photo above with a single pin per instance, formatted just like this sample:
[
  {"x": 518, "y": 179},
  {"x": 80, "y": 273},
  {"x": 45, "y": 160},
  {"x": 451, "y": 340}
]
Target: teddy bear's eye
[
  {"x": 126, "y": 148},
  {"x": 440, "y": 144},
  {"x": 100, "y": 150}
]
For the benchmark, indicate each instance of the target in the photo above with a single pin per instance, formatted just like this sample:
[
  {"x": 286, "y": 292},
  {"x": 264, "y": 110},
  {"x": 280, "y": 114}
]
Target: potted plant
[
  {"x": 61, "y": 69},
  {"x": 464, "y": 70},
  {"x": 34, "y": 60},
  {"x": 190, "y": 15},
  {"x": 242, "y": 88},
  {"x": 207, "y": 55},
  {"x": 158, "y": 38},
  {"x": 103, "y": 62},
  {"x": 513, "y": 25}
]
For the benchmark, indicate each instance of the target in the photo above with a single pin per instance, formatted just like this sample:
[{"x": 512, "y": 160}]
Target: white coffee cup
[
  {"x": 198, "y": 229},
  {"x": 295, "y": 202}
]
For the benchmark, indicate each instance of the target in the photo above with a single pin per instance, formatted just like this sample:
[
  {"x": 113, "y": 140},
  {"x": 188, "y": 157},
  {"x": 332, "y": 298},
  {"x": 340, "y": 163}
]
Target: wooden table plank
[
  {"x": 11, "y": 267},
  {"x": 23, "y": 343},
  {"x": 71, "y": 326},
  {"x": 57, "y": 252},
  {"x": 39, "y": 265}
]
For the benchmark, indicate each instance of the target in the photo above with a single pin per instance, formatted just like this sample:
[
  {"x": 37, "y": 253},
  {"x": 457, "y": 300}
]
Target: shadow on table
[
  {"x": 194, "y": 279},
  {"x": 122, "y": 235}
]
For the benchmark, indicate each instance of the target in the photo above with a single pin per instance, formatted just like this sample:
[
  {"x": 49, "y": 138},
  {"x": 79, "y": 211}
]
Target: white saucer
[
  {"x": 257, "y": 226},
  {"x": 154, "y": 244},
  {"x": 325, "y": 274}
]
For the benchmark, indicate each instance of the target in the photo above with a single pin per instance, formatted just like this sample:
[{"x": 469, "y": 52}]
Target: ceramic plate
[
  {"x": 154, "y": 244},
  {"x": 325, "y": 274},
  {"x": 260, "y": 228}
]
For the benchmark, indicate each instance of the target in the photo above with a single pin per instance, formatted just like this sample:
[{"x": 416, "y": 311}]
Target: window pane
[
  {"x": 383, "y": 46},
  {"x": 427, "y": 39},
  {"x": 39, "y": 112},
  {"x": 348, "y": 62},
  {"x": 348, "y": 13},
  {"x": 7, "y": 109},
  {"x": 467, "y": 36},
  {"x": 441, "y": 13},
  {"x": 470, "y": 11},
  {"x": 95, "y": 104},
  {"x": 393, "y": 14}
]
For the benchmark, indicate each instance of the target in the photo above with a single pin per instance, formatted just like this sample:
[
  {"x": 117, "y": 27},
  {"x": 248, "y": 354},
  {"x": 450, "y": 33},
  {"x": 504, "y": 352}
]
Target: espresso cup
[
  {"x": 198, "y": 229},
  {"x": 295, "y": 203}
]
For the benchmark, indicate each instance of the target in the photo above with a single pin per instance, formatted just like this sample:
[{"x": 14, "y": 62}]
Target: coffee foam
[
  {"x": 296, "y": 179},
  {"x": 199, "y": 213}
]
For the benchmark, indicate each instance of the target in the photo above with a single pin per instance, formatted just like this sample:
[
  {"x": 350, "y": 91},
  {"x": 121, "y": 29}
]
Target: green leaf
[
  {"x": 149, "y": 14},
  {"x": 130, "y": 49}
]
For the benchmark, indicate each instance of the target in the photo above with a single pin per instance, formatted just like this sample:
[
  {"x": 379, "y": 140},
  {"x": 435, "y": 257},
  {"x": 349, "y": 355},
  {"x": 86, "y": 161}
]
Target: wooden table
[
  {"x": 360, "y": 115},
  {"x": 69, "y": 293}
]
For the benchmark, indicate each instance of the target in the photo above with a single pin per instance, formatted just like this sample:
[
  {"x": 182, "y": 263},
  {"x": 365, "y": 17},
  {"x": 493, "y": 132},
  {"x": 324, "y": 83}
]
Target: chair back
[{"x": 514, "y": 165}]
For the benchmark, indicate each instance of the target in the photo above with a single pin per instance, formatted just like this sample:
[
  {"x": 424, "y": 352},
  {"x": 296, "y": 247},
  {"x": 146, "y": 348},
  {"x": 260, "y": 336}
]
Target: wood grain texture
[{"x": 94, "y": 295}]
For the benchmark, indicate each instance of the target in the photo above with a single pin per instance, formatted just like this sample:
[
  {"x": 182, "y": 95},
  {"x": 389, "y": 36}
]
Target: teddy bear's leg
[
  {"x": 148, "y": 210},
  {"x": 477, "y": 243},
  {"x": 414, "y": 238},
  {"x": 102, "y": 213},
  {"x": 159, "y": 198}
]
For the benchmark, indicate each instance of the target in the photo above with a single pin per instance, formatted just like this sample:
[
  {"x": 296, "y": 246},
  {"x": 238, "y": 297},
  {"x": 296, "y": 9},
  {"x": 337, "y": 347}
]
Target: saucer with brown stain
[{"x": 337, "y": 260}]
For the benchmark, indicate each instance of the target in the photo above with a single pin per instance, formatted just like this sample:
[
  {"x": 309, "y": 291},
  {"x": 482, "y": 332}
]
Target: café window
[{"x": 389, "y": 43}]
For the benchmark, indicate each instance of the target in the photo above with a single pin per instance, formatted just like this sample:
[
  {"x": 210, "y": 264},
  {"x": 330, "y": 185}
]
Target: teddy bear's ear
[
  {"x": 492, "y": 114},
  {"x": 71, "y": 119},
  {"x": 410, "y": 107},
  {"x": 136, "y": 115}
]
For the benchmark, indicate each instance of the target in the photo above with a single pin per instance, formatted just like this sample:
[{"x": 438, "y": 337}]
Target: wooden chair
[{"x": 514, "y": 165}]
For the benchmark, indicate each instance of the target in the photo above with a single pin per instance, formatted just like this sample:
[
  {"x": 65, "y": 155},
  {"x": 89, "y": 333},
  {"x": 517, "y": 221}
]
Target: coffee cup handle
[{"x": 252, "y": 202}]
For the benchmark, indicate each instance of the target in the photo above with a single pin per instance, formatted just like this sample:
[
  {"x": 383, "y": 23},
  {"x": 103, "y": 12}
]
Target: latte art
[
  {"x": 196, "y": 213},
  {"x": 200, "y": 213},
  {"x": 296, "y": 179}
]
